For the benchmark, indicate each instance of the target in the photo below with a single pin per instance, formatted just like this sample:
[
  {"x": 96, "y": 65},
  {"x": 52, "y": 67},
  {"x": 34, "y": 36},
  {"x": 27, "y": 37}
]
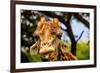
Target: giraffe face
[{"x": 47, "y": 31}]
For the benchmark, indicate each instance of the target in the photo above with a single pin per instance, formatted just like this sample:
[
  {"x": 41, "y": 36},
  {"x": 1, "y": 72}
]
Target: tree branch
[
  {"x": 80, "y": 18},
  {"x": 80, "y": 36}
]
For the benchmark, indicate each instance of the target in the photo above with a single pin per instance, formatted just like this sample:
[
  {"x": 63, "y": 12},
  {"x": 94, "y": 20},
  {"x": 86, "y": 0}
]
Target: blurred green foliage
[
  {"x": 82, "y": 52},
  {"x": 35, "y": 58}
]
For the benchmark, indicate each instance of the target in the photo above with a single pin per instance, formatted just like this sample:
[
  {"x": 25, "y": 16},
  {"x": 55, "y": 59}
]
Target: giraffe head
[{"x": 47, "y": 31}]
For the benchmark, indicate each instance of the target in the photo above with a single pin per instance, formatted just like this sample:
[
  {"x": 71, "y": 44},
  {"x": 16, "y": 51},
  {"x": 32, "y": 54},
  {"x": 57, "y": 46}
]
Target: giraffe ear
[
  {"x": 39, "y": 26},
  {"x": 56, "y": 27},
  {"x": 42, "y": 19},
  {"x": 56, "y": 21}
]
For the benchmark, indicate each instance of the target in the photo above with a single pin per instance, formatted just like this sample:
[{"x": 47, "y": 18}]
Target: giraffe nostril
[
  {"x": 44, "y": 43},
  {"x": 47, "y": 43}
]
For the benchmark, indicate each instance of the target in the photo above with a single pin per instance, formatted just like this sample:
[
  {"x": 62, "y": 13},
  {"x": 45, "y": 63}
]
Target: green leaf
[{"x": 35, "y": 58}]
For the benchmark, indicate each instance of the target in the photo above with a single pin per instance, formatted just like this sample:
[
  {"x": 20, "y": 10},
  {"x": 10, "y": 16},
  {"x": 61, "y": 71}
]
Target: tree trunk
[{"x": 71, "y": 35}]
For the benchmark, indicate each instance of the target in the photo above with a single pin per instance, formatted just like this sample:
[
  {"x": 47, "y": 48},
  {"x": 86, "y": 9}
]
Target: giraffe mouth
[{"x": 46, "y": 47}]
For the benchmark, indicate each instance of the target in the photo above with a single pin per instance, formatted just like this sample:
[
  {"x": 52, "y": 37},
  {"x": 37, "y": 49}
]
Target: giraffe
[{"x": 49, "y": 46}]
